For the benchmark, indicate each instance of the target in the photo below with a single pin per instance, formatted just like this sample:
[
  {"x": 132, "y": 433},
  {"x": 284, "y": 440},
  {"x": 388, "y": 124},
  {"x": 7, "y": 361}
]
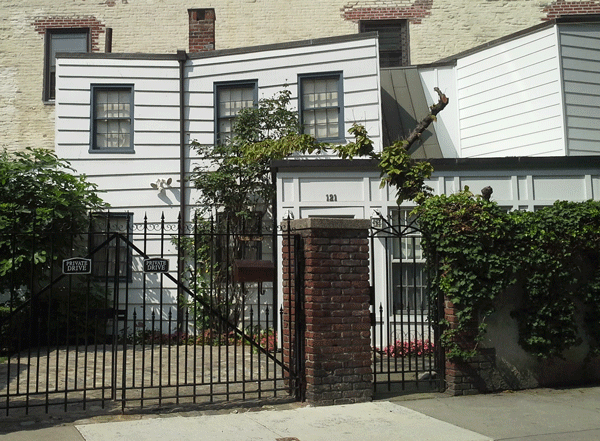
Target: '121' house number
[{"x": 331, "y": 197}]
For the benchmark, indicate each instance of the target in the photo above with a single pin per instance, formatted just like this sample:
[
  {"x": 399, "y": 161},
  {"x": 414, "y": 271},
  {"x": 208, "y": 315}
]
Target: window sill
[{"x": 112, "y": 151}]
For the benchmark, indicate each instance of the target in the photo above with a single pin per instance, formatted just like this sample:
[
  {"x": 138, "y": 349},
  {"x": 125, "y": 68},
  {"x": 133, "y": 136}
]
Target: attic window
[
  {"x": 61, "y": 40},
  {"x": 393, "y": 41}
]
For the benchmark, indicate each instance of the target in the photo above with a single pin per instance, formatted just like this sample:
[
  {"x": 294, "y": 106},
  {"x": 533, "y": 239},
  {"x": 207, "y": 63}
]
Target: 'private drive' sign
[
  {"x": 77, "y": 265},
  {"x": 156, "y": 265}
]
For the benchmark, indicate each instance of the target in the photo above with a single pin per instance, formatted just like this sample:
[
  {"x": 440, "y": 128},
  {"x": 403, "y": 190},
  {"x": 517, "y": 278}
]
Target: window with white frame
[
  {"x": 112, "y": 253},
  {"x": 112, "y": 118},
  {"x": 409, "y": 277},
  {"x": 61, "y": 40},
  {"x": 230, "y": 99},
  {"x": 321, "y": 106}
]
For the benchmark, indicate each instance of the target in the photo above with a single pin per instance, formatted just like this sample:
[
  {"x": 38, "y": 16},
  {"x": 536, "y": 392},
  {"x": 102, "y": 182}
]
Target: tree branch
[{"x": 425, "y": 122}]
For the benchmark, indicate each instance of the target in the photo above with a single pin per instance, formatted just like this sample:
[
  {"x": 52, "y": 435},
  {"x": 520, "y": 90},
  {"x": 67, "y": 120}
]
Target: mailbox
[{"x": 253, "y": 271}]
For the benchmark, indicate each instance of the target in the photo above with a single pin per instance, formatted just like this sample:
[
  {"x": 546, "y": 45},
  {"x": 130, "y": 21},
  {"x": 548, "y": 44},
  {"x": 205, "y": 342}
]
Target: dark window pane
[
  {"x": 61, "y": 41},
  {"x": 393, "y": 41}
]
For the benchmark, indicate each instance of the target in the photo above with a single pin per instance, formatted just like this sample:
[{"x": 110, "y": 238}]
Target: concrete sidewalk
[{"x": 535, "y": 415}]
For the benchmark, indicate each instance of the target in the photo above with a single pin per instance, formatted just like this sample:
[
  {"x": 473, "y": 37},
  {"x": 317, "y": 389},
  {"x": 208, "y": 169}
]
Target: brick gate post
[{"x": 337, "y": 338}]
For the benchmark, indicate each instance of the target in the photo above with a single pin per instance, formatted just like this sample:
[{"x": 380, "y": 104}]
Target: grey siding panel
[
  {"x": 580, "y": 53},
  {"x": 404, "y": 105}
]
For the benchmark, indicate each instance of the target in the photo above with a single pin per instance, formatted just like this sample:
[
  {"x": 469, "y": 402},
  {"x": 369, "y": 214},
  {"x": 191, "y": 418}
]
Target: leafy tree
[
  {"x": 43, "y": 205},
  {"x": 235, "y": 182},
  {"x": 234, "y": 177},
  {"x": 236, "y": 191},
  {"x": 40, "y": 195}
]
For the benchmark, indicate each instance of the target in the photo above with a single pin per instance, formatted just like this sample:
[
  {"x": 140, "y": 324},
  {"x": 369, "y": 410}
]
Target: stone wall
[{"x": 501, "y": 363}]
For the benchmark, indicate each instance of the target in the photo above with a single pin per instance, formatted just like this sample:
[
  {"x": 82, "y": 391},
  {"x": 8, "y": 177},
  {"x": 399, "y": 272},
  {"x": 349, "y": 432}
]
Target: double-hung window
[
  {"x": 230, "y": 99},
  {"x": 409, "y": 277},
  {"x": 113, "y": 255},
  {"x": 112, "y": 118},
  {"x": 61, "y": 40},
  {"x": 393, "y": 41},
  {"x": 321, "y": 106}
]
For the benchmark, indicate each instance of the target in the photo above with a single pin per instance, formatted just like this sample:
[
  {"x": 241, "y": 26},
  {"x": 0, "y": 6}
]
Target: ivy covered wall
[{"x": 523, "y": 285}]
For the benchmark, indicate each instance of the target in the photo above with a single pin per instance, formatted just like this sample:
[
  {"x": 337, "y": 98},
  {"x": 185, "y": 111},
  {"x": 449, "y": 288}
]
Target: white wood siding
[
  {"x": 274, "y": 69},
  {"x": 125, "y": 178},
  {"x": 509, "y": 99},
  {"x": 446, "y": 126},
  {"x": 580, "y": 53}
]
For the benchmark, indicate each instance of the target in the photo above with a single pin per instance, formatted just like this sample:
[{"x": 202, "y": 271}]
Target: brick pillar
[
  {"x": 337, "y": 338},
  {"x": 464, "y": 377},
  {"x": 202, "y": 30}
]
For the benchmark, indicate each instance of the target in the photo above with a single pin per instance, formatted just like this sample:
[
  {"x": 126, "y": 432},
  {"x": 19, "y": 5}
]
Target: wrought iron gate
[
  {"x": 406, "y": 351},
  {"x": 148, "y": 314}
]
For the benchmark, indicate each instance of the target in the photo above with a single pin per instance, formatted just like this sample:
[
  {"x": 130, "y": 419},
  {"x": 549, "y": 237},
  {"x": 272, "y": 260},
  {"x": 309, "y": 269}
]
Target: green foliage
[
  {"x": 235, "y": 182},
  {"x": 234, "y": 177},
  {"x": 397, "y": 168},
  {"x": 236, "y": 191},
  {"x": 560, "y": 255},
  {"x": 468, "y": 248},
  {"x": 477, "y": 250},
  {"x": 39, "y": 194},
  {"x": 43, "y": 208}
]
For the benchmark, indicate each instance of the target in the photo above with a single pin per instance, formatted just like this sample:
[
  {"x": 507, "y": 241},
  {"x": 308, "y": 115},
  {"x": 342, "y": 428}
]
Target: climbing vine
[{"x": 552, "y": 255}]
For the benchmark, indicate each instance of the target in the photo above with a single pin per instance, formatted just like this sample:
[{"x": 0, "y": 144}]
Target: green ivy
[{"x": 476, "y": 250}]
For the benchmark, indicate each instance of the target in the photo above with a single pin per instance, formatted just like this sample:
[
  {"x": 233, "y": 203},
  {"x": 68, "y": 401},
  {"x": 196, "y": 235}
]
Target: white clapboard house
[
  {"x": 523, "y": 118},
  {"x": 126, "y": 121}
]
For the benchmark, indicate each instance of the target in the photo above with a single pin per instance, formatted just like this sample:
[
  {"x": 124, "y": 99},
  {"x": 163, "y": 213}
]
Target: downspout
[
  {"x": 181, "y": 58},
  {"x": 276, "y": 258}
]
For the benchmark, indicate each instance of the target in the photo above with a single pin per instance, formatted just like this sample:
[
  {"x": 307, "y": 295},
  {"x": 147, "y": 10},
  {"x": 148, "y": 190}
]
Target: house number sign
[
  {"x": 156, "y": 265},
  {"x": 77, "y": 265},
  {"x": 331, "y": 197}
]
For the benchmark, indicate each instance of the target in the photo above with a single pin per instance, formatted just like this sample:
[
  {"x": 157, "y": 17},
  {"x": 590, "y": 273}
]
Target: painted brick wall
[{"x": 437, "y": 29}]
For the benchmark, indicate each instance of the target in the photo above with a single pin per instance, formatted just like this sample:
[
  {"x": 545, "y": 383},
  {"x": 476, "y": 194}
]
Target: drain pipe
[{"x": 181, "y": 58}]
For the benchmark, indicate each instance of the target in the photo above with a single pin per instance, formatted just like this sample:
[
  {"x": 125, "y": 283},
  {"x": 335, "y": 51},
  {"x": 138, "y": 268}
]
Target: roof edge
[
  {"x": 448, "y": 164},
  {"x": 580, "y": 18},
  {"x": 224, "y": 52}
]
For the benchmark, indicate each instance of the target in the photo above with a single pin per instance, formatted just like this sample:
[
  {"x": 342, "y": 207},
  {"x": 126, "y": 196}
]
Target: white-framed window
[
  {"x": 409, "y": 278},
  {"x": 393, "y": 41},
  {"x": 61, "y": 40},
  {"x": 111, "y": 253},
  {"x": 230, "y": 99},
  {"x": 321, "y": 106},
  {"x": 112, "y": 118}
]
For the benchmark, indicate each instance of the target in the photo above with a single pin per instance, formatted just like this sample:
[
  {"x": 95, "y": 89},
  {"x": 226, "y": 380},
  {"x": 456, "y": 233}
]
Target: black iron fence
[
  {"x": 406, "y": 352},
  {"x": 140, "y": 314}
]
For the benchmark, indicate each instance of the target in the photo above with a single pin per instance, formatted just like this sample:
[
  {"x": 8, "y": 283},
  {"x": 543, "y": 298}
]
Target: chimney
[{"x": 202, "y": 30}]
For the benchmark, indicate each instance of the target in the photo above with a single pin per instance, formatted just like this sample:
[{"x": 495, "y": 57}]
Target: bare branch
[{"x": 425, "y": 122}]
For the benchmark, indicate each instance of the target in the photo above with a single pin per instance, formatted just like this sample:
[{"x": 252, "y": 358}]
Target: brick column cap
[{"x": 322, "y": 223}]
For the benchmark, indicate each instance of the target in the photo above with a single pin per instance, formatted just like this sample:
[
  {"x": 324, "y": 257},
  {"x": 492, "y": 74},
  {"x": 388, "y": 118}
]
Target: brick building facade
[{"x": 431, "y": 30}]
